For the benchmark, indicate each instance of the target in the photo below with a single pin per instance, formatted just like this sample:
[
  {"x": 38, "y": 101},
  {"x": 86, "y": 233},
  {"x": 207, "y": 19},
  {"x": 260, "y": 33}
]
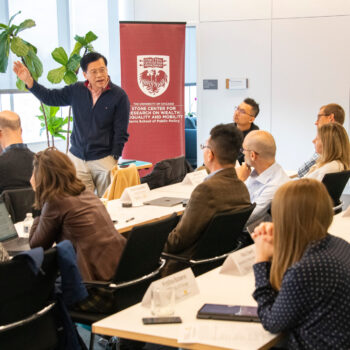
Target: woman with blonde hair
[
  {"x": 332, "y": 144},
  {"x": 302, "y": 273},
  {"x": 69, "y": 211}
]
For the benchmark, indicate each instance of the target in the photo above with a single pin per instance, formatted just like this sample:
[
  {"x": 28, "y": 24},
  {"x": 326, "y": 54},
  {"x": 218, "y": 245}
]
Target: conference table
[
  {"x": 126, "y": 218},
  {"x": 214, "y": 288}
]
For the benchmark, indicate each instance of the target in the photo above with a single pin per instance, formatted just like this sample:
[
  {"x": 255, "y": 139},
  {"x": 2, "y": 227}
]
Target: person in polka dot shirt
[{"x": 302, "y": 273}]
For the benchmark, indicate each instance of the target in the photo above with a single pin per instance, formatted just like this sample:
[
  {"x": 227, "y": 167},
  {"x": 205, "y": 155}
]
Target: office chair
[
  {"x": 167, "y": 172},
  {"x": 27, "y": 305},
  {"x": 19, "y": 202},
  {"x": 223, "y": 235},
  {"x": 335, "y": 184},
  {"x": 139, "y": 265}
]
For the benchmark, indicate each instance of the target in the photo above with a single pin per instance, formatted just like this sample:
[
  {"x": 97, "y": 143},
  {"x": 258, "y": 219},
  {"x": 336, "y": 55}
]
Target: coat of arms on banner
[{"x": 153, "y": 74}]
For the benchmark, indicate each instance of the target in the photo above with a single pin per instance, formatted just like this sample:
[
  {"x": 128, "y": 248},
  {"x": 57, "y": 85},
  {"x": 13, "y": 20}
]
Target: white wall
[{"x": 295, "y": 54}]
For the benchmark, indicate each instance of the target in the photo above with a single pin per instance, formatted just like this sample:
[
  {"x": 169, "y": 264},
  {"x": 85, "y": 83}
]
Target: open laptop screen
[{"x": 7, "y": 228}]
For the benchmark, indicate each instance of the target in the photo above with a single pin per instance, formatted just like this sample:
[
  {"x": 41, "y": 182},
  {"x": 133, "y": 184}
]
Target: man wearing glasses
[
  {"x": 221, "y": 191},
  {"x": 328, "y": 114},
  {"x": 101, "y": 118},
  {"x": 244, "y": 118}
]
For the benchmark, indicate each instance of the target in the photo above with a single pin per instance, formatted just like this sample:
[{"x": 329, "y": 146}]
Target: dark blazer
[
  {"x": 83, "y": 220},
  {"x": 221, "y": 192}
]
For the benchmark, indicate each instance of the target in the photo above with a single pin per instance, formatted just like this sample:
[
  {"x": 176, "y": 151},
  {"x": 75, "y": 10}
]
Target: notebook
[
  {"x": 165, "y": 201},
  {"x": 8, "y": 234}
]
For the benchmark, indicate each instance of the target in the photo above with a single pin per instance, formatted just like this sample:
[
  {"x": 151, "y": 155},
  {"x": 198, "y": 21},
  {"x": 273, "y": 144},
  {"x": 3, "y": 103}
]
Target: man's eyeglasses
[
  {"x": 96, "y": 71},
  {"x": 322, "y": 115},
  {"x": 202, "y": 146},
  {"x": 242, "y": 150},
  {"x": 242, "y": 111}
]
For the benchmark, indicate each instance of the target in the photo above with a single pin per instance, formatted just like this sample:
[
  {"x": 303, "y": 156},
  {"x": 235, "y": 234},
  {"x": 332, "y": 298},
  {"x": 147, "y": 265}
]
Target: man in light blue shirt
[{"x": 259, "y": 149}]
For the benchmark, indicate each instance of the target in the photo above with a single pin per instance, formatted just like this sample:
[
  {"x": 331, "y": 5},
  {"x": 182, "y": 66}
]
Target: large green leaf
[
  {"x": 60, "y": 55},
  {"x": 11, "y": 19},
  {"x": 90, "y": 36},
  {"x": 70, "y": 77},
  {"x": 31, "y": 46},
  {"x": 3, "y": 26},
  {"x": 4, "y": 51},
  {"x": 73, "y": 62},
  {"x": 77, "y": 48},
  {"x": 28, "y": 23},
  {"x": 55, "y": 76},
  {"x": 54, "y": 110},
  {"x": 80, "y": 40},
  {"x": 20, "y": 85},
  {"x": 37, "y": 65},
  {"x": 18, "y": 47}
]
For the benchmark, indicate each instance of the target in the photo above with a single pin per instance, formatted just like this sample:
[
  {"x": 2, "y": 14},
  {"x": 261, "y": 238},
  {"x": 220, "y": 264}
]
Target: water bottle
[{"x": 27, "y": 223}]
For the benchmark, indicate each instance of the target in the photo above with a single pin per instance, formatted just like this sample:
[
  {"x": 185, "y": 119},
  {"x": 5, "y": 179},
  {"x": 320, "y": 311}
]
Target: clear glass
[{"x": 162, "y": 301}]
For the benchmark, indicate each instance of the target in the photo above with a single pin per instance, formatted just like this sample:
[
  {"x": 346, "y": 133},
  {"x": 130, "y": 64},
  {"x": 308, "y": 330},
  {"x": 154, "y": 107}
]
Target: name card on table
[
  {"x": 184, "y": 283},
  {"x": 135, "y": 194},
  {"x": 240, "y": 262},
  {"x": 195, "y": 178}
]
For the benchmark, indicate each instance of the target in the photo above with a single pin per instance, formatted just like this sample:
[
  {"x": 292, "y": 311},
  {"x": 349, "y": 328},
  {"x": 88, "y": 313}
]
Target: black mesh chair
[
  {"x": 167, "y": 172},
  {"x": 223, "y": 235},
  {"x": 140, "y": 264},
  {"x": 27, "y": 305},
  {"x": 19, "y": 202},
  {"x": 335, "y": 184}
]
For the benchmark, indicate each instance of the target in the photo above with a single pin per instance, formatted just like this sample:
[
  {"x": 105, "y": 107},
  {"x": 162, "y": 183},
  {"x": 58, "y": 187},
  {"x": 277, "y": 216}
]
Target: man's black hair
[
  {"x": 225, "y": 142},
  {"x": 90, "y": 57},
  {"x": 254, "y": 105}
]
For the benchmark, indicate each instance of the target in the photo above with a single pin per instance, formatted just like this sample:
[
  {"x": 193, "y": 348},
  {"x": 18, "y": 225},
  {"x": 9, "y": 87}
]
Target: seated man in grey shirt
[{"x": 259, "y": 149}]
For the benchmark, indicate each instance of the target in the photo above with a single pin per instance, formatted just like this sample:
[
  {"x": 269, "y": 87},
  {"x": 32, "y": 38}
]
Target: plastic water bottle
[{"x": 27, "y": 223}]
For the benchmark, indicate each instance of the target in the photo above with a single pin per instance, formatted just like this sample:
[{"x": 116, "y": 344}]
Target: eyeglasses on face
[
  {"x": 242, "y": 150},
  {"x": 242, "y": 111},
  {"x": 101, "y": 70},
  {"x": 322, "y": 115},
  {"x": 202, "y": 146}
]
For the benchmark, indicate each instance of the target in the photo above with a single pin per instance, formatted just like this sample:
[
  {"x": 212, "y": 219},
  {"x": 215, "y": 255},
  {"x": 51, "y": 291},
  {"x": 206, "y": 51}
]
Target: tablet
[{"x": 229, "y": 312}]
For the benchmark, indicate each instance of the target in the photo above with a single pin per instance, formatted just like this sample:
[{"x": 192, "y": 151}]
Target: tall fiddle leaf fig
[{"x": 10, "y": 41}]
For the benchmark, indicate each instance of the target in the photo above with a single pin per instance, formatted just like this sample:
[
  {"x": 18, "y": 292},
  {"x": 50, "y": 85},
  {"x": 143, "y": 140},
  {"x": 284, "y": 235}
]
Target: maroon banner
[{"x": 152, "y": 74}]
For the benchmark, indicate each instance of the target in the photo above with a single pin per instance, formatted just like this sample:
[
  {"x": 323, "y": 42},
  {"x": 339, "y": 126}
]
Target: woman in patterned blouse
[{"x": 302, "y": 273}]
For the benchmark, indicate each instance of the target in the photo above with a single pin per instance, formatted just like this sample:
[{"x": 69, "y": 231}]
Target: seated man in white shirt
[{"x": 259, "y": 149}]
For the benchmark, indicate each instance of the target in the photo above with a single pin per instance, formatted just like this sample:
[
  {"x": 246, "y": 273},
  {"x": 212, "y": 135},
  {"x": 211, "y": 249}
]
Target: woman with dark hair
[
  {"x": 302, "y": 273},
  {"x": 69, "y": 211}
]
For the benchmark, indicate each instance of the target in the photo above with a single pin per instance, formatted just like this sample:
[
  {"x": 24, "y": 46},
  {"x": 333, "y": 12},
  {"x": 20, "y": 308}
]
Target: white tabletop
[
  {"x": 214, "y": 288},
  {"x": 128, "y": 217}
]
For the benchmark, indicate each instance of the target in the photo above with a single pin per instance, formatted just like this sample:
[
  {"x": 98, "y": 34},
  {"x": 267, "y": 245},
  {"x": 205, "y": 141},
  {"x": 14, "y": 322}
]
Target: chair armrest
[
  {"x": 112, "y": 285},
  {"x": 215, "y": 258},
  {"x": 169, "y": 256}
]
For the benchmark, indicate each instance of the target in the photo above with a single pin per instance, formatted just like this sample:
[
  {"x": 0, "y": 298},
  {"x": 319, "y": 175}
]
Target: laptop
[
  {"x": 8, "y": 234},
  {"x": 165, "y": 201}
]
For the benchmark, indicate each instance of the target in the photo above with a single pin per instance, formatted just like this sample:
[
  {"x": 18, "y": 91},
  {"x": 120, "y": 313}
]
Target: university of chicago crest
[{"x": 153, "y": 74}]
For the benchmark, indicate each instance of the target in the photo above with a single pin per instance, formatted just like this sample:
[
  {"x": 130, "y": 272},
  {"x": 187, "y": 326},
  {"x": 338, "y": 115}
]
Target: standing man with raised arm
[{"x": 101, "y": 118}]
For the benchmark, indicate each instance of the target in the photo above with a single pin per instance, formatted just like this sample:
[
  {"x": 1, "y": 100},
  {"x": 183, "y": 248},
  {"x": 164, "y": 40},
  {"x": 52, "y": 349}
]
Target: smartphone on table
[
  {"x": 161, "y": 320},
  {"x": 229, "y": 312}
]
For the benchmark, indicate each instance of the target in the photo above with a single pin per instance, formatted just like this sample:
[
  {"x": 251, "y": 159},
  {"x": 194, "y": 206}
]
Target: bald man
[
  {"x": 16, "y": 160},
  {"x": 259, "y": 149}
]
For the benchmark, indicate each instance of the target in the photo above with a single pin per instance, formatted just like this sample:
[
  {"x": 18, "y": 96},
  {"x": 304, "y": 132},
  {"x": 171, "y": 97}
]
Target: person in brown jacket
[
  {"x": 220, "y": 191},
  {"x": 69, "y": 211}
]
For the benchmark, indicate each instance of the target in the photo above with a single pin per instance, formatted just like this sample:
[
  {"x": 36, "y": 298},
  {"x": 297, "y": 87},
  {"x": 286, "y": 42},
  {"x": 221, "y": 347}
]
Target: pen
[{"x": 127, "y": 220}]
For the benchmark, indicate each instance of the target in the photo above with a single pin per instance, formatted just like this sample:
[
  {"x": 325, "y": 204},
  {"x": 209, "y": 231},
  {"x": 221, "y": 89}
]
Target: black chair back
[
  {"x": 141, "y": 256},
  {"x": 335, "y": 184},
  {"x": 143, "y": 249},
  {"x": 22, "y": 294},
  {"x": 167, "y": 172},
  {"x": 223, "y": 235},
  {"x": 19, "y": 202}
]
